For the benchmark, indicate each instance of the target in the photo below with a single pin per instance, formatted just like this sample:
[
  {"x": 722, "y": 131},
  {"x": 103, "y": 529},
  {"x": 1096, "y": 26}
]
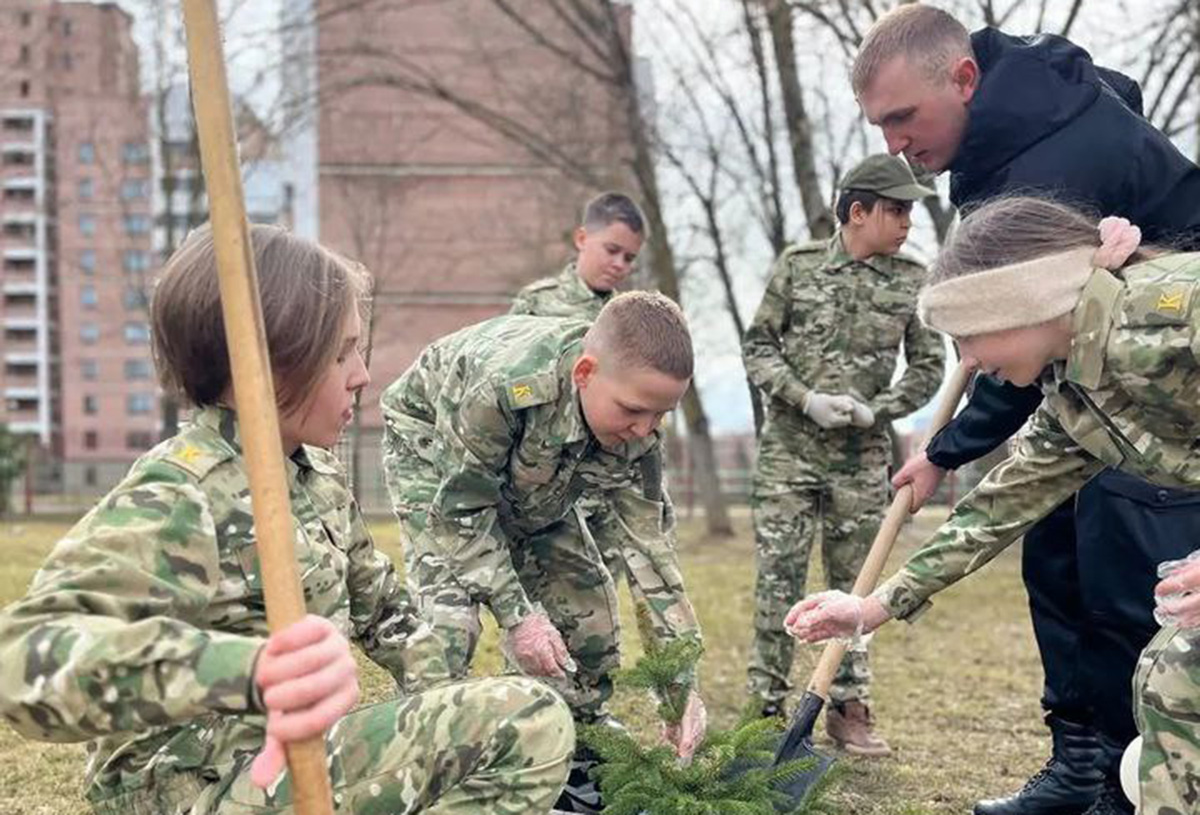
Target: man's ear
[
  {"x": 857, "y": 214},
  {"x": 578, "y": 237},
  {"x": 964, "y": 76},
  {"x": 584, "y": 369}
]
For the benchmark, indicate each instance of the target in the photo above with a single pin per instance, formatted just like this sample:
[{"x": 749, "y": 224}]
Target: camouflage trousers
[
  {"x": 559, "y": 567},
  {"x": 787, "y": 523},
  {"x": 1166, "y": 686},
  {"x": 497, "y": 746}
]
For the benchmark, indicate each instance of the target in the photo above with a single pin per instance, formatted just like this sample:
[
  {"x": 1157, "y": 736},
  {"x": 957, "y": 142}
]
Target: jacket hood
[{"x": 1029, "y": 88}]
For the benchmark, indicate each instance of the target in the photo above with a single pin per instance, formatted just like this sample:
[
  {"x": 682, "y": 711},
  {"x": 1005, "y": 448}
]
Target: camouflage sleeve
[
  {"x": 762, "y": 347},
  {"x": 384, "y": 620},
  {"x": 640, "y": 523},
  {"x": 468, "y": 454},
  {"x": 104, "y": 640},
  {"x": 925, "y": 355},
  {"x": 1046, "y": 468}
]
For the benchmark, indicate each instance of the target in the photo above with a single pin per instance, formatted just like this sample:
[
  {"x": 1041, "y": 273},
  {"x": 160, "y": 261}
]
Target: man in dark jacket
[{"x": 1006, "y": 114}]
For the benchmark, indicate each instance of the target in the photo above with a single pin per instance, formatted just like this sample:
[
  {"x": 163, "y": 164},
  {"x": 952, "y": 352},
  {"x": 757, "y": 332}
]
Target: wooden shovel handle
[
  {"x": 885, "y": 538},
  {"x": 250, "y": 365}
]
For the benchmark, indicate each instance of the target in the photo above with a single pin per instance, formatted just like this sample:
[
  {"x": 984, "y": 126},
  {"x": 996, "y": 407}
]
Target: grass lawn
[{"x": 956, "y": 694}]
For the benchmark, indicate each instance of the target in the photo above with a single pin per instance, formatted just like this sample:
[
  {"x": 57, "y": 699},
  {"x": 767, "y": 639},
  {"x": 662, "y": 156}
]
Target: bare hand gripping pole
[{"x": 250, "y": 366}]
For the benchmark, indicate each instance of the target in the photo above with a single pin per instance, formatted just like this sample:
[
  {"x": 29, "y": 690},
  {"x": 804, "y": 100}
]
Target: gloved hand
[
  {"x": 687, "y": 735},
  {"x": 825, "y": 615},
  {"x": 1177, "y": 595},
  {"x": 537, "y": 647},
  {"x": 1118, "y": 240},
  {"x": 828, "y": 410},
  {"x": 309, "y": 680},
  {"x": 861, "y": 415}
]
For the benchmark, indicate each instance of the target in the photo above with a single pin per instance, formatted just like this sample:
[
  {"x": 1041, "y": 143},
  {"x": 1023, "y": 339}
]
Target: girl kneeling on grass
[
  {"x": 1117, "y": 354},
  {"x": 145, "y": 631}
]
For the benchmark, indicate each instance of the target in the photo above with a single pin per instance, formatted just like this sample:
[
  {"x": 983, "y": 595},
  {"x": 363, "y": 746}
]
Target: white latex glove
[
  {"x": 537, "y": 648},
  {"x": 825, "y": 615},
  {"x": 1177, "y": 595},
  {"x": 829, "y": 410},
  {"x": 1118, "y": 240},
  {"x": 687, "y": 735},
  {"x": 861, "y": 415}
]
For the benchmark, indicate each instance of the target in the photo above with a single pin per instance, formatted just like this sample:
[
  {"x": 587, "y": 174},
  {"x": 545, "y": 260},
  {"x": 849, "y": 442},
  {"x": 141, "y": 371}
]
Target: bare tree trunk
[
  {"x": 799, "y": 127},
  {"x": 662, "y": 261},
  {"x": 777, "y": 224}
]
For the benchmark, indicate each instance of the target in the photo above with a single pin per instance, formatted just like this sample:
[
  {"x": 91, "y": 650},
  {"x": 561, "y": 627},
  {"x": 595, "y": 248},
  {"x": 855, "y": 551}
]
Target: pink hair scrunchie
[{"x": 1119, "y": 239}]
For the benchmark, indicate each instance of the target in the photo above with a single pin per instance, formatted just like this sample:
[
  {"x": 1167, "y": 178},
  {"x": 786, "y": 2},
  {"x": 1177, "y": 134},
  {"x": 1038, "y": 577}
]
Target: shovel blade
[{"x": 797, "y": 744}]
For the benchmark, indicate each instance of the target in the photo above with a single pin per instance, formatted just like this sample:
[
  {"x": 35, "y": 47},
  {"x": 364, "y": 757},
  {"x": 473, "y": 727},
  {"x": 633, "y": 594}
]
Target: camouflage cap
[{"x": 889, "y": 176}]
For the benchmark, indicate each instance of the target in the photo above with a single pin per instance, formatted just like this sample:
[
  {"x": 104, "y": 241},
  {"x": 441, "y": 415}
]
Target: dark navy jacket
[{"x": 1045, "y": 119}]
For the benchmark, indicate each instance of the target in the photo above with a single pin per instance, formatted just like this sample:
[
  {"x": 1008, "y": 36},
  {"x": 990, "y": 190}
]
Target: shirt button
[{"x": 1162, "y": 496}]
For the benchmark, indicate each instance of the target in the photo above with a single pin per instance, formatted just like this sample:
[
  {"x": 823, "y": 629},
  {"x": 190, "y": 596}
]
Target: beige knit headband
[{"x": 1015, "y": 296}]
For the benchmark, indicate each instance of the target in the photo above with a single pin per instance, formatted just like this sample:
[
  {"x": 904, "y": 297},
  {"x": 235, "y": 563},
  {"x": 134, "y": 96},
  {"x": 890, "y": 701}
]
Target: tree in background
[{"x": 12, "y": 464}]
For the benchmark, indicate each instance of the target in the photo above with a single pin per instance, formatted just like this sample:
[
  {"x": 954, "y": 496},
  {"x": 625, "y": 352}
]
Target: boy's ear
[
  {"x": 578, "y": 237},
  {"x": 858, "y": 213},
  {"x": 584, "y": 369}
]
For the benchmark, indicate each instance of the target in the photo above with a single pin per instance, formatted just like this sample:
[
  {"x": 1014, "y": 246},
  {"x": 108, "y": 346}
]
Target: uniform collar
[
  {"x": 579, "y": 290},
  {"x": 570, "y": 424},
  {"x": 838, "y": 257},
  {"x": 223, "y": 422},
  {"x": 1091, "y": 322}
]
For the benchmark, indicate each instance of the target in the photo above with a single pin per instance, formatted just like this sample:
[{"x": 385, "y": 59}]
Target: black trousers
[{"x": 1090, "y": 569}]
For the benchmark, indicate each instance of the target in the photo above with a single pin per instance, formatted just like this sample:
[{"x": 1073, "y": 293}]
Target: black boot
[
  {"x": 1069, "y": 782},
  {"x": 581, "y": 793},
  {"x": 1112, "y": 800}
]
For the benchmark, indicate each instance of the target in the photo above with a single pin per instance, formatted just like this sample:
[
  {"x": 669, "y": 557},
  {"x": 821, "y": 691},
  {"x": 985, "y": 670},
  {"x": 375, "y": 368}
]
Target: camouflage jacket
[
  {"x": 140, "y": 631},
  {"x": 564, "y": 295},
  {"x": 834, "y": 324},
  {"x": 504, "y": 451},
  {"x": 1128, "y": 397}
]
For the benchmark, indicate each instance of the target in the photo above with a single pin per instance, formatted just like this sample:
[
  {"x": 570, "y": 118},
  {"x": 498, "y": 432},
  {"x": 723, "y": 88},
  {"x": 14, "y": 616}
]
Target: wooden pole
[
  {"x": 885, "y": 538},
  {"x": 253, "y": 386}
]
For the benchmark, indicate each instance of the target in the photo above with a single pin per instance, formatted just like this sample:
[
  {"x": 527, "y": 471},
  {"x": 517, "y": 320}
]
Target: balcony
[
  {"x": 24, "y": 395},
  {"x": 18, "y": 155},
  {"x": 21, "y": 254},
  {"x": 21, "y": 358},
  {"x": 20, "y": 284}
]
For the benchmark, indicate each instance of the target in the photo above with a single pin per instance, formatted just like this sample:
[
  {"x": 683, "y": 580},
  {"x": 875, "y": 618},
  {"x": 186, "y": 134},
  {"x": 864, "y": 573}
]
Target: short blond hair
[
  {"x": 643, "y": 329},
  {"x": 927, "y": 37}
]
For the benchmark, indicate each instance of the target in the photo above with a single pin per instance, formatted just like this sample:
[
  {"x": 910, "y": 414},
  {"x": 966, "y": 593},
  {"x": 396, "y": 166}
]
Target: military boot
[
  {"x": 851, "y": 727},
  {"x": 581, "y": 793},
  {"x": 1067, "y": 784},
  {"x": 1112, "y": 800}
]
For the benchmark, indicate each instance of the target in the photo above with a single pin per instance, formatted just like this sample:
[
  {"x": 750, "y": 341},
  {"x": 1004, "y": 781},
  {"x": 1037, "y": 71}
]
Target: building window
[
  {"x": 87, "y": 225},
  {"x": 89, "y": 333},
  {"x": 24, "y": 60},
  {"x": 87, "y": 152},
  {"x": 91, "y": 439},
  {"x": 135, "y": 261},
  {"x": 133, "y": 189},
  {"x": 139, "y": 403},
  {"x": 24, "y": 88},
  {"x": 26, "y": 19},
  {"x": 89, "y": 476},
  {"x": 137, "y": 333},
  {"x": 137, "y": 369},
  {"x": 137, "y": 224},
  {"x": 91, "y": 405},
  {"x": 89, "y": 369},
  {"x": 139, "y": 440},
  {"x": 87, "y": 261},
  {"x": 135, "y": 152},
  {"x": 87, "y": 189},
  {"x": 67, "y": 28},
  {"x": 87, "y": 296}
]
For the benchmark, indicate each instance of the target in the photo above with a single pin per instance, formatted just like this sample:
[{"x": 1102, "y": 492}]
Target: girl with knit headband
[{"x": 1033, "y": 291}]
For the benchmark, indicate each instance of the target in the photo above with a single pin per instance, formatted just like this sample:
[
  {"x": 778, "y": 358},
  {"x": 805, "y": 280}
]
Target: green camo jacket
[
  {"x": 140, "y": 631},
  {"x": 1127, "y": 397}
]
